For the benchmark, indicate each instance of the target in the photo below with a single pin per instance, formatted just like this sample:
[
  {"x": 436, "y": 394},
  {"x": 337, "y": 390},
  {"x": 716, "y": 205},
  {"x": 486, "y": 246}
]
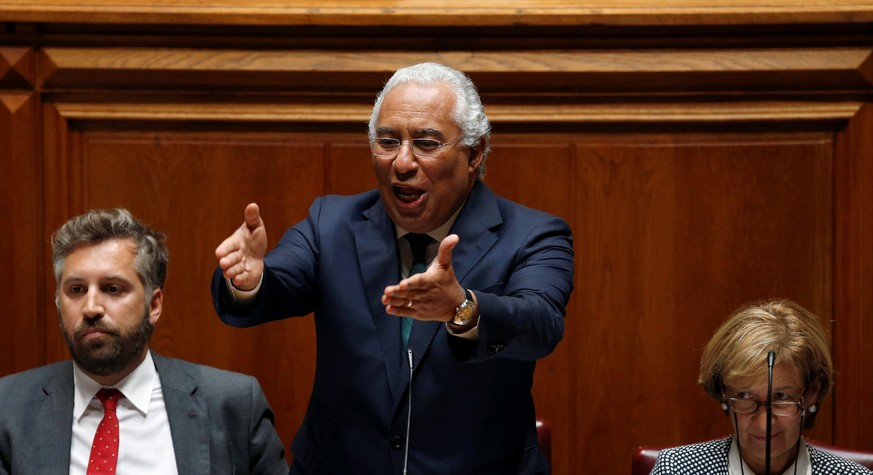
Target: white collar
[{"x": 137, "y": 387}]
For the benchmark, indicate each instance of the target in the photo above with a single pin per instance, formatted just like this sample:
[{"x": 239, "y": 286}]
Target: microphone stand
[
  {"x": 408, "y": 413},
  {"x": 771, "y": 359}
]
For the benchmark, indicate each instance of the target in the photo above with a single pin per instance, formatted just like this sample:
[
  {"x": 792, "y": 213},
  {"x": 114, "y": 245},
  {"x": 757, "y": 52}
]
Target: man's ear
[
  {"x": 477, "y": 154},
  {"x": 156, "y": 305}
]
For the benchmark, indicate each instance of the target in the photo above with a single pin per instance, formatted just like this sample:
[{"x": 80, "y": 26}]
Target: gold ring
[{"x": 409, "y": 303}]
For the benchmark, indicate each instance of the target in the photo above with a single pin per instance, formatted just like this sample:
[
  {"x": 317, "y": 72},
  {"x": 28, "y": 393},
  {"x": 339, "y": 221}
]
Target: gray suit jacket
[{"x": 221, "y": 421}]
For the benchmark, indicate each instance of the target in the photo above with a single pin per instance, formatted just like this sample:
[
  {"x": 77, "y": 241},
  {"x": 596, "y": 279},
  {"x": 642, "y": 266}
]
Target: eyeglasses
[
  {"x": 750, "y": 406},
  {"x": 421, "y": 147}
]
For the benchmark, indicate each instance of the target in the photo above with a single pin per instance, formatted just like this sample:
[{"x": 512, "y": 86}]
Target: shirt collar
[{"x": 137, "y": 387}]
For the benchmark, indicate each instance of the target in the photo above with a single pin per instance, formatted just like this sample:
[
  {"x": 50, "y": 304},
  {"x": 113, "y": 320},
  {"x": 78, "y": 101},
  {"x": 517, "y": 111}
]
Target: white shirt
[
  {"x": 145, "y": 443},
  {"x": 734, "y": 461}
]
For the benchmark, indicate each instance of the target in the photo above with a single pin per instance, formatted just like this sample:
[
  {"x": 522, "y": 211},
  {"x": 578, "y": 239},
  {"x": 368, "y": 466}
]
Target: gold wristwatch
[{"x": 464, "y": 313}]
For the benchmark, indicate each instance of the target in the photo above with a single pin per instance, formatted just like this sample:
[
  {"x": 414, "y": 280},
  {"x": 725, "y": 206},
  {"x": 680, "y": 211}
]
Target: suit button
[{"x": 396, "y": 441}]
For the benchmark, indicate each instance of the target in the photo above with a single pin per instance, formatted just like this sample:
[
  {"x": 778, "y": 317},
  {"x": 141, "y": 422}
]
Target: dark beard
[{"x": 105, "y": 358}]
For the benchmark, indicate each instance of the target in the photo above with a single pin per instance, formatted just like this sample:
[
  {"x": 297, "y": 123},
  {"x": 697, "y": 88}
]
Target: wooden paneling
[
  {"x": 671, "y": 233},
  {"x": 21, "y": 342},
  {"x": 853, "y": 310},
  {"x": 550, "y": 71},
  {"x": 685, "y": 232},
  {"x": 446, "y": 13},
  {"x": 194, "y": 187},
  {"x": 704, "y": 156}
]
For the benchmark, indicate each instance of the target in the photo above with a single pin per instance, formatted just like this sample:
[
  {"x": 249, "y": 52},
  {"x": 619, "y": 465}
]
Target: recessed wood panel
[
  {"x": 853, "y": 329},
  {"x": 194, "y": 188},
  {"x": 21, "y": 343},
  {"x": 351, "y": 167},
  {"x": 671, "y": 234}
]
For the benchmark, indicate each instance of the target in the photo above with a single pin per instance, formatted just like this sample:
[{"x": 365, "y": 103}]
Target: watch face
[{"x": 464, "y": 313}]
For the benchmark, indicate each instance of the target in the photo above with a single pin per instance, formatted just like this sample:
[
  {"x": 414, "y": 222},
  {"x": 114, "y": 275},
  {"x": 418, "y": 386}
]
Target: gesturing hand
[
  {"x": 241, "y": 256},
  {"x": 430, "y": 295}
]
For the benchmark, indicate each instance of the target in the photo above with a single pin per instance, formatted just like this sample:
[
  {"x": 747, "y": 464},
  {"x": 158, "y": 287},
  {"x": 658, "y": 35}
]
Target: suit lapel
[
  {"x": 188, "y": 417},
  {"x": 474, "y": 227},
  {"x": 53, "y": 424},
  {"x": 380, "y": 267}
]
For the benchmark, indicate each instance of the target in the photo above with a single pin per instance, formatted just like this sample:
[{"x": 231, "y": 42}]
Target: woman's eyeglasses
[{"x": 750, "y": 406}]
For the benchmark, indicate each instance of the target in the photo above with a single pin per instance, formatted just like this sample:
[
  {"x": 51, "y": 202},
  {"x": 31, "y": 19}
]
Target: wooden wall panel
[
  {"x": 21, "y": 344},
  {"x": 673, "y": 230},
  {"x": 853, "y": 310},
  {"x": 194, "y": 187},
  {"x": 703, "y": 155},
  {"x": 671, "y": 234},
  {"x": 351, "y": 170}
]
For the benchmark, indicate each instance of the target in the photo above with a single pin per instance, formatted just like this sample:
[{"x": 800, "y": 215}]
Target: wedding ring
[{"x": 409, "y": 303}]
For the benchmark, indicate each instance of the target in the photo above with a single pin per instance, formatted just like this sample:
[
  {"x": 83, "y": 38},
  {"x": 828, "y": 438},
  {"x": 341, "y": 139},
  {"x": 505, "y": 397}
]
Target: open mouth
[{"x": 408, "y": 196}]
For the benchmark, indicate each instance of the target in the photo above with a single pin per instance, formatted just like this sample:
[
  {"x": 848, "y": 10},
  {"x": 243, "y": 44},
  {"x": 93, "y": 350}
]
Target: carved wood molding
[
  {"x": 12, "y": 102},
  {"x": 17, "y": 66},
  {"x": 439, "y": 13},
  {"x": 564, "y": 114},
  {"x": 549, "y": 71}
]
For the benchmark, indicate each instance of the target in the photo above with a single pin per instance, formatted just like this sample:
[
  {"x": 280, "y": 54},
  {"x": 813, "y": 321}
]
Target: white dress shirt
[{"x": 145, "y": 443}]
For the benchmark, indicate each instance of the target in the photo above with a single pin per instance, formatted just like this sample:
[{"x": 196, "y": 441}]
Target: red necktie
[{"x": 104, "y": 450}]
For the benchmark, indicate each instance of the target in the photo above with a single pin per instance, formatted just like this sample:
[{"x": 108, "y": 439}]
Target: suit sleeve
[
  {"x": 287, "y": 289},
  {"x": 523, "y": 317},
  {"x": 266, "y": 452}
]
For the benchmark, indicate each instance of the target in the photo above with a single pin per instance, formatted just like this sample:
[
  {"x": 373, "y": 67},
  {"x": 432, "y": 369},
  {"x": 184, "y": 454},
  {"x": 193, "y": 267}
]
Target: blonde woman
[{"x": 774, "y": 344}]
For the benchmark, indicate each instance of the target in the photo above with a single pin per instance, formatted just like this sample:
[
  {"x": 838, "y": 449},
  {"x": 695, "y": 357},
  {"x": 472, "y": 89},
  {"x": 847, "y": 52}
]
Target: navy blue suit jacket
[{"x": 472, "y": 409}]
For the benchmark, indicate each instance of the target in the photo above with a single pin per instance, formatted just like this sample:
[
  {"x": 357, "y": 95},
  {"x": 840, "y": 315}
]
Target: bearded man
[{"x": 118, "y": 407}]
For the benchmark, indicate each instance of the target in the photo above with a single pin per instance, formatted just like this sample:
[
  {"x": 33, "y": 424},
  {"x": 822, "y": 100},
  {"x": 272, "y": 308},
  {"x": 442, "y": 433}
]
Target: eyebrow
[
  {"x": 384, "y": 130},
  {"x": 428, "y": 131},
  {"x": 787, "y": 388},
  {"x": 776, "y": 389},
  {"x": 110, "y": 278}
]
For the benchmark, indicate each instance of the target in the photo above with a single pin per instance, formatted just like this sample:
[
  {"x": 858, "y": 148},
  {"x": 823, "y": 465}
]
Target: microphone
[
  {"x": 771, "y": 359},
  {"x": 409, "y": 412}
]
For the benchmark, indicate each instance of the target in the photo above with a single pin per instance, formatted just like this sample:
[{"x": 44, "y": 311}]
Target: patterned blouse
[{"x": 711, "y": 458}]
